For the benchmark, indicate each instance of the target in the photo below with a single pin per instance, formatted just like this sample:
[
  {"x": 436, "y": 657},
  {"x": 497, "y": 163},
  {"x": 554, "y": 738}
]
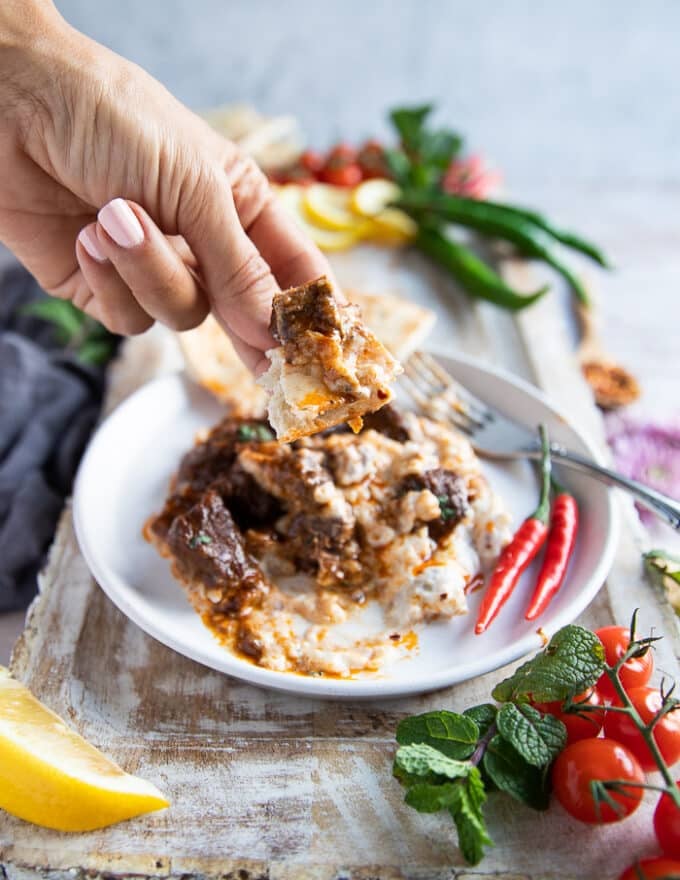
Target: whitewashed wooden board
[{"x": 266, "y": 785}]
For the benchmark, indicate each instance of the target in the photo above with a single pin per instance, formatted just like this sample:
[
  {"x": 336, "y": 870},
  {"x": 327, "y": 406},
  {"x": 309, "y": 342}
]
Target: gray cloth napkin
[{"x": 49, "y": 403}]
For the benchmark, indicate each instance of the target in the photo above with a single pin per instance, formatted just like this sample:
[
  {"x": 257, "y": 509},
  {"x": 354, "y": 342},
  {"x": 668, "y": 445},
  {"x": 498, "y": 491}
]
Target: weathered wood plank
[{"x": 265, "y": 784}]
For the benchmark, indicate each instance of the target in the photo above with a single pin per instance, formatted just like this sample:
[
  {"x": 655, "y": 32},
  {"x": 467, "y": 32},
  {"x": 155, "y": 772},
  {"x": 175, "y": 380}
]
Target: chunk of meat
[
  {"x": 388, "y": 421},
  {"x": 311, "y": 307},
  {"x": 450, "y": 491},
  {"x": 209, "y": 550}
]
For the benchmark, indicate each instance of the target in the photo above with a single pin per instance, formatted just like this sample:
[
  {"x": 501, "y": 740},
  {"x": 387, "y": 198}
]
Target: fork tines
[{"x": 437, "y": 394}]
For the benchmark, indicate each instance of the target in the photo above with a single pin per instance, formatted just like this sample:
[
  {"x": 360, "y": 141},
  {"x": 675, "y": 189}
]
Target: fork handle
[{"x": 662, "y": 505}]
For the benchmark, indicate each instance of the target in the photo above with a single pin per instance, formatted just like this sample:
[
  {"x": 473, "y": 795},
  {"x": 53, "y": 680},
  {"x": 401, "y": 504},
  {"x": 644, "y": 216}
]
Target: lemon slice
[
  {"x": 372, "y": 196},
  {"x": 51, "y": 776},
  {"x": 329, "y": 207},
  {"x": 393, "y": 227},
  {"x": 292, "y": 198}
]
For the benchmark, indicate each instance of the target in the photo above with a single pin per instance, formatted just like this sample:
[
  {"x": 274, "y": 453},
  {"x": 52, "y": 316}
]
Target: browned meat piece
[
  {"x": 329, "y": 368},
  {"x": 290, "y": 473},
  {"x": 450, "y": 491},
  {"x": 209, "y": 552},
  {"x": 388, "y": 421},
  {"x": 299, "y": 310},
  {"x": 324, "y": 546}
]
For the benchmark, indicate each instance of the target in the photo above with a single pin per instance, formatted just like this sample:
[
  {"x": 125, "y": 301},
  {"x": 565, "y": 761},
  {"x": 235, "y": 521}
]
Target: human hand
[{"x": 118, "y": 198}]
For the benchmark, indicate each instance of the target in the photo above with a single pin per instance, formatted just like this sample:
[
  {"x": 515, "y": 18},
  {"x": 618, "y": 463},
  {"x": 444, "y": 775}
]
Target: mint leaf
[
  {"x": 572, "y": 662},
  {"x": 466, "y": 811},
  {"x": 95, "y": 351},
  {"x": 63, "y": 315},
  {"x": 538, "y": 738},
  {"x": 513, "y": 775},
  {"x": 429, "y": 798},
  {"x": 420, "y": 759},
  {"x": 453, "y": 735},
  {"x": 483, "y": 715}
]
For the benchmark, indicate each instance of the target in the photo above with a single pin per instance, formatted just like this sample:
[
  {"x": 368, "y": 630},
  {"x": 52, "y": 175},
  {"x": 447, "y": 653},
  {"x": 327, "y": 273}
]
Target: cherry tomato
[
  {"x": 312, "y": 161},
  {"x": 634, "y": 673},
  {"x": 667, "y": 825},
  {"x": 372, "y": 161},
  {"x": 588, "y": 760},
  {"x": 620, "y": 727},
  {"x": 342, "y": 152},
  {"x": 584, "y": 726},
  {"x": 341, "y": 174},
  {"x": 657, "y": 868}
]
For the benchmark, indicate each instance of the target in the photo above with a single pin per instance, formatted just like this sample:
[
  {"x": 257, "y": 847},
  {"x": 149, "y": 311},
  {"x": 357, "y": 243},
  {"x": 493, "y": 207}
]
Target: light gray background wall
[{"x": 584, "y": 90}]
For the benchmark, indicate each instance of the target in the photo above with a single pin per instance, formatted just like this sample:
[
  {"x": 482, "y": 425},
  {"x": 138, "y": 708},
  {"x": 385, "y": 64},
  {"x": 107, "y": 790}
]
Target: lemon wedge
[
  {"x": 51, "y": 776},
  {"x": 329, "y": 206},
  {"x": 393, "y": 227},
  {"x": 373, "y": 196},
  {"x": 292, "y": 198}
]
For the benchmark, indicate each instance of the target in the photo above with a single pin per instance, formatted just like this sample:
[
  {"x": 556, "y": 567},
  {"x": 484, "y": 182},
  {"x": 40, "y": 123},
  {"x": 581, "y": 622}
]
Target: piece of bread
[
  {"x": 211, "y": 361},
  {"x": 328, "y": 369}
]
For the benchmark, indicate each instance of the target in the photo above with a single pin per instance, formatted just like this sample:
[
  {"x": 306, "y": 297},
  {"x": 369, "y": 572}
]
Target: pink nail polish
[
  {"x": 119, "y": 220},
  {"x": 88, "y": 238}
]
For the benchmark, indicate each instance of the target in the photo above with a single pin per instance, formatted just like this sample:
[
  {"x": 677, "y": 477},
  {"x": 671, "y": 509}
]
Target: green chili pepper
[
  {"x": 530, "y": 240},
  {"x": 474, "y": 275}
]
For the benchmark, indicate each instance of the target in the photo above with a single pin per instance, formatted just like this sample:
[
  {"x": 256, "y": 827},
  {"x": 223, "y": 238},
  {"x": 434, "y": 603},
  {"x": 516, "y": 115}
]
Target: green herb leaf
[
  {"x": 421, "y": 760},
  {"x": 409, "y": 123},
  {"x": 572, "y": 662},
  {"x": 246, "y": 433},
  {"x": 661, "y": 565},
  {"x": 200, "y": 538},
  {"x": 538, "y": 738},
  {"x": 96, "y": 351},
  {"x": 513, "y": 775},
  {"x": 63, "y": 315},
  {"x": 453, "y": 735},
  {"x": 467, "y": 815},
  {"x": 429, "y": 798},
  {"x": 483, "y": 715}
]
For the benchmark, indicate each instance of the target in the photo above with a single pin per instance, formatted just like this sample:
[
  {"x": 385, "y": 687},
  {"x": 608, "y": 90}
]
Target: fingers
[
  {"x": 238, "y": 280},
  {"x": 133, "y": 270}
]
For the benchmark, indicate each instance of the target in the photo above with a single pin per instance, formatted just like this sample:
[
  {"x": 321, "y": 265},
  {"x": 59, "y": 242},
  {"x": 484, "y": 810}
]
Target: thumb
[{"x": 238, "y": 281}]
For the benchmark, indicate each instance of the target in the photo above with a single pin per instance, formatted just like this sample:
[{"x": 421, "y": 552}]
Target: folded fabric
[{"x": 49, "y": 404}]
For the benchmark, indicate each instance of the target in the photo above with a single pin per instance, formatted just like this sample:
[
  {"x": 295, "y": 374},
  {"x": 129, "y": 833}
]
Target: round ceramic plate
[{"x": 124, "y": 477}]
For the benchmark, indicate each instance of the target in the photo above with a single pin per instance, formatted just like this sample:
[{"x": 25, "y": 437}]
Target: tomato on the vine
[
  {"x": 657, "y": 868},
  {"x": 579, "y": 726},
  {"x": 342, "y": 152},
  {"x": 634, "y": 673},
  {"x": 593, "y": 759},
  {"x": 620, "y": 727},
  {"x": 341, "y": 174},
  {"x": 667, "y": 825},
  {"x": 372, "y": 160}
]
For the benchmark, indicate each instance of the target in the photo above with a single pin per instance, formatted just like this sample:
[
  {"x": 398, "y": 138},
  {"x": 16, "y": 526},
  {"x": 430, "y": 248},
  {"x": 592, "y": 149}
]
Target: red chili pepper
[
  {"x": 561, "y": 540},
  {"x": 519, "y": 553}
]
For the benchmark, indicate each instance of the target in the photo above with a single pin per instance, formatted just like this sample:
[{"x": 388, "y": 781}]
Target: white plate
[{"x": 124, "y": 477}]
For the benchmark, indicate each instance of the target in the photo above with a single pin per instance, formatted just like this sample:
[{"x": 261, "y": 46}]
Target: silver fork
[{"x": 494, "y": 435}]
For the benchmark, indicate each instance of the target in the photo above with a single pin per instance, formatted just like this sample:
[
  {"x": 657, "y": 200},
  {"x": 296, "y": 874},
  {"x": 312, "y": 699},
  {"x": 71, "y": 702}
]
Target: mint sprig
[
  {"x": 572, "y": 662},
  {"x": 77, "y": 332},
  {"x": 450, "y": 761}
]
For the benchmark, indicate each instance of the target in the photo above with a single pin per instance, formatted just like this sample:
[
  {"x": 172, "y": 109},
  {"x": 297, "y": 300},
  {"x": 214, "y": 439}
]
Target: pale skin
[{"x": 118, "y": 198}]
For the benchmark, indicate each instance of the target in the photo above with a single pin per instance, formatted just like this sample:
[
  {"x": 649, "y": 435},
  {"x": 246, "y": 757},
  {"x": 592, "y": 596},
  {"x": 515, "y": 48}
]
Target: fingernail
[
  {"x": 88, "y": 238},
  {"x": 118, "y": 219}
]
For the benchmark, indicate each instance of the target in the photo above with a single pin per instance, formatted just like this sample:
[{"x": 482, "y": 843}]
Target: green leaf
[
  {"x": 429, "y": 798},
  {"x": 467, "y": 815},
  {"x": 571, "y": 663},
  {"x": 95, "y": 351},
  {"x": 420, "y": 760},
  {"x": 483, "y": 715},
  {"x": 538, "y": 738},
  {"x": 409, "y": 123},
  {"x": 513, "y": 775},
  {"x": 63, "y": 315},
  {"x": 661, "y": 565},
  {"x": 453, "y": 735}
]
